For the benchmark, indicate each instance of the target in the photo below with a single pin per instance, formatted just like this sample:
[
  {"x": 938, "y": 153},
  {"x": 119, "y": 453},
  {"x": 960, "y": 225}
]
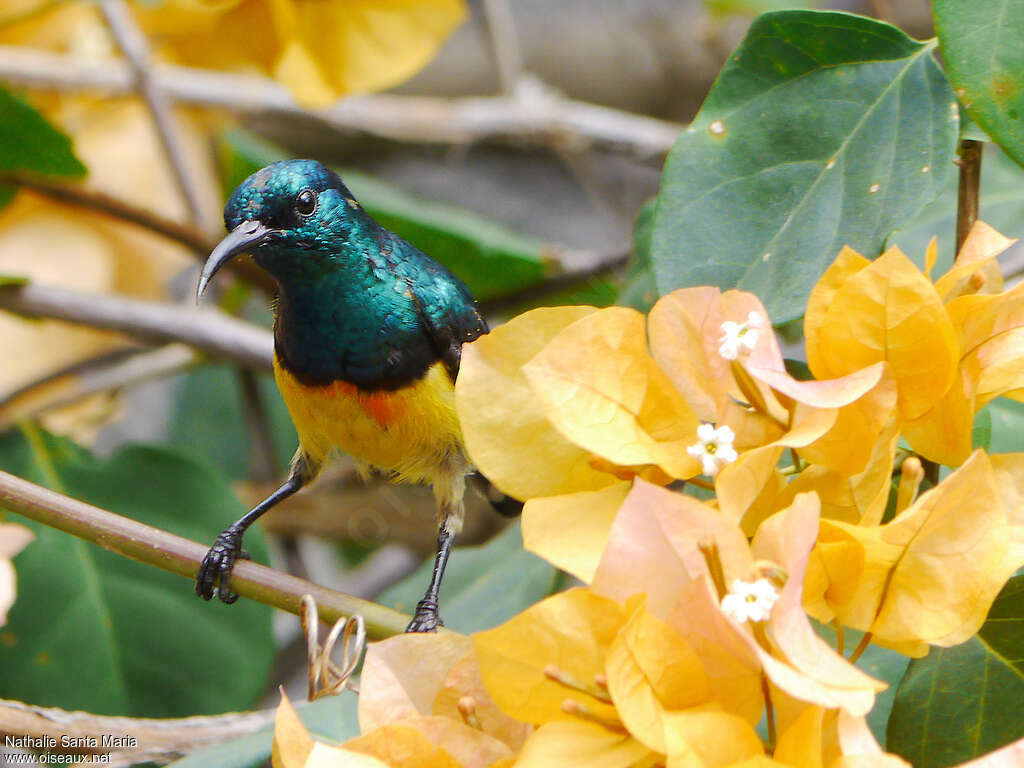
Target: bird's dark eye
[{"x": 305, "y": 202}]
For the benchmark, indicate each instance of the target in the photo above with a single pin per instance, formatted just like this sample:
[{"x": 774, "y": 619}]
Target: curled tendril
[{"x": 325, "y": 677}]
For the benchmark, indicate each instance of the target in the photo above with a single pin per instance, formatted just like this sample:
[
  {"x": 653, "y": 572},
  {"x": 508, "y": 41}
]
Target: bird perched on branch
[{"x": 368, "y": 336}]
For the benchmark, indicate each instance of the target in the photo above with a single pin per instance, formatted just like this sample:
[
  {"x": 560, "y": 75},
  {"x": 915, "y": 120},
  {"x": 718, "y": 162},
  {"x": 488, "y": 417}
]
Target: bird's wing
[
  {"x": 449, "y": 313},
  {"x": 446, "y": 309}
]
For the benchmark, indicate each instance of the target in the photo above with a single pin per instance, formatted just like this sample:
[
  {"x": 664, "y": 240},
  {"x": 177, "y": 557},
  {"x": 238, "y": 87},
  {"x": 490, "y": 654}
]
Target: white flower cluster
[
  {"x": 740, "y": 337},
  {"x": 713, "y": 448},
  {"x": 750, "y": 601}
]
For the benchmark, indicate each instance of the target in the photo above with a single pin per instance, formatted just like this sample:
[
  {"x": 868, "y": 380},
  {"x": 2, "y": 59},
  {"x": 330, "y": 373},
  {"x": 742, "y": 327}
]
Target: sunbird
[{"x": 368, "y": 335}]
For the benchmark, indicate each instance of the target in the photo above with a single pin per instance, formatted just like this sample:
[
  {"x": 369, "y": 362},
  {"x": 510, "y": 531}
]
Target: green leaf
[
  {"x": 29, "y": 143},
  {"x": 824, "y": 129},
  {"x": 981, "y": 47},
  {"x": 93, "y": 630},
  {"x": 1002, "y": 206},
  {"x": 640, "y": 291},
  {"x": 961, "y": 702},
  {"x": 332, "y": 720},
  {"x": 483, "y": 586},
  {"x": 490, "y": 258},
  {"x": 1007, "y": 418},
  {"x": 12, "y": 279}
]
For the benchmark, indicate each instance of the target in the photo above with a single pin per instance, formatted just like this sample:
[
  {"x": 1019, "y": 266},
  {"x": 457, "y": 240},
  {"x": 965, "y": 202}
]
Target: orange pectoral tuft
[{"x": 382, "y": 407}]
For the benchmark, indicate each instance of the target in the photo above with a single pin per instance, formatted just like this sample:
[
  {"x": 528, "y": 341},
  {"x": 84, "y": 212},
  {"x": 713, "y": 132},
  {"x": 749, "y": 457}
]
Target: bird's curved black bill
[{"x": 241, "y": 239}]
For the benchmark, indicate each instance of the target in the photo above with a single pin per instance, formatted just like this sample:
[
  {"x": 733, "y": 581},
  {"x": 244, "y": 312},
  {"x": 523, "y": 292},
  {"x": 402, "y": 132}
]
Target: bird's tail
[{"x": 504, "y": 505}]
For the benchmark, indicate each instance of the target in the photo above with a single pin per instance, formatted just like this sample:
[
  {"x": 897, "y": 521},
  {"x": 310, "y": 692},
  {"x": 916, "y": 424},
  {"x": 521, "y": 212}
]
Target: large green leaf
[
  {"x": 1002, "y": 206},
  {"x": 29, "y": 143},
  {"x": 983, "y": 48},
  {"x": 93, "y": 630},
  {"x": 961, "y": 702},
  {"x": 483, "y": 586},
  {"x": 491, "y": 259},
  {"x": 824, "y": 129}
]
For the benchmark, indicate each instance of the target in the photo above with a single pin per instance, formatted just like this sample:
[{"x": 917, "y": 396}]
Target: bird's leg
[
  {"x": 427, "y": 618},
  {"x": 215, "y": 571},
  {"x": 449, "y": 488}
]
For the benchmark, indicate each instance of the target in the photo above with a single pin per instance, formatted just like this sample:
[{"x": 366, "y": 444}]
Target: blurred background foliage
[{"x": 527, "y": 214}]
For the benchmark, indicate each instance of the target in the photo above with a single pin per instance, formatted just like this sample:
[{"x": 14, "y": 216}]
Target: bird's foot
[
  {"x": 215, "y": 570},
  {"x": 426, "y": 618}
]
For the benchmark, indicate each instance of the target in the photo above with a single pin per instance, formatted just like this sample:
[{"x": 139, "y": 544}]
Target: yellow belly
[{"x": 409, "y": 434}]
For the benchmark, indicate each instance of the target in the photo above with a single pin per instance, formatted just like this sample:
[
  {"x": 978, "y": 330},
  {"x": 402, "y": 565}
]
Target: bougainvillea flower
[
  {"x": 607, "y": 680},
  {"x": 951, "y": 347},
  {"x": 658, "y": 546},
  {"x": 602, "y": 390},
  {"x": 431, "y": 683},
  {"x": 505, "y": 427},
  {"x": 927, "y": 577}
]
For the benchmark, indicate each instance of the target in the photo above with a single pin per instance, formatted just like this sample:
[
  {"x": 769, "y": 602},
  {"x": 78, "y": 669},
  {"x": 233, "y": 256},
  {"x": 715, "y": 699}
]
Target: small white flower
[
  {"x": 737, "y": 337},
  {"x": 713, "y": 448},
  {"x": 750, "y": 601}
]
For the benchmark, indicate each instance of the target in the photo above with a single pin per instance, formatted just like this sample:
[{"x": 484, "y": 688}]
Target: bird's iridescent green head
[{"x": 294, "y": 217}]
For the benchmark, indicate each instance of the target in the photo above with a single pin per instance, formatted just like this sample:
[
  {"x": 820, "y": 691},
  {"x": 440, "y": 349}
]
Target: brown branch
[
  {"x": 172, "y": 553},
  {"x": 209, "y": 330},
  {"x": 263, "y": 462},
  {"x": 112, "y": 370},
  {"x": 968, "y": 190},
  {"x": 135, "y": 47},
  {"x": 572, "y": 277},
  {"x": 157, "y": 739},
  {"x": 546, "y": 119},
  {"x": 82, "y": 197},
  {"x": 505, "y": 51},
  {"x": 967, "y": 203}
]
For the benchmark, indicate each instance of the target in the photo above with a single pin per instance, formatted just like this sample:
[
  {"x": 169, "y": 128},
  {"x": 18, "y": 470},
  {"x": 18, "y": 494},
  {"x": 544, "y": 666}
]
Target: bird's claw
[
  {"x": 215, "y": 571},
  {"x": 426, "y": 618}
]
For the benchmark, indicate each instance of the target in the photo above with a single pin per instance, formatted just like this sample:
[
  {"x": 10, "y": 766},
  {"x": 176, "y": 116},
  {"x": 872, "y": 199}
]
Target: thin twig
[
  {"x": 968, "y": 200},
  {"x": 115, "y": 370},
  {"x": 190, "y": 237},
  {"x": 209, "y": 330},
  {"x": 549, "y": 121},
  {"x": 262, "y": 466},
  {"x": 969, "y": 189},
  {"x": 572, "y": 277},
  {"x": 82, "y": 197},
  {"x": 883, "y": 10},
  {"x": 508, "y": 59},
  {"x": 135, "y": 47},
  {"x": 179, "y": 555},
  {"x": 769, "y": 712},
  {"x": 862, "y": 646},
  {"x": 157, "y": 739}
]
